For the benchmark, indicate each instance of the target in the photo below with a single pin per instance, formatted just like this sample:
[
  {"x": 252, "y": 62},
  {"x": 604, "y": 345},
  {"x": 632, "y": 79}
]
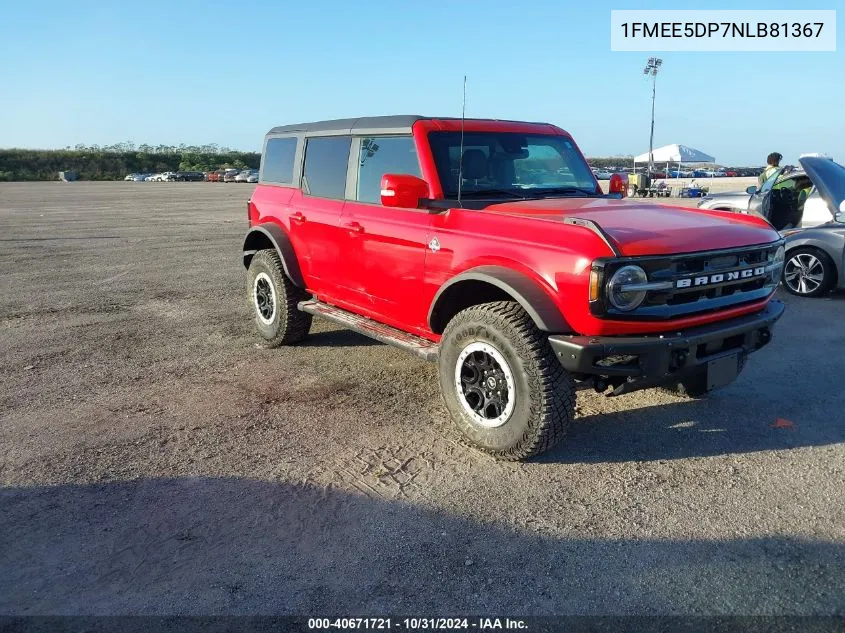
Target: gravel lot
[{"x": 154, "y": 460}]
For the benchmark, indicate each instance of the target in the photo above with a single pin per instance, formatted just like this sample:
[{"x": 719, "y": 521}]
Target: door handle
[
  {"x": 297, "y": 217},
  {"x": 354, "y": 226}
]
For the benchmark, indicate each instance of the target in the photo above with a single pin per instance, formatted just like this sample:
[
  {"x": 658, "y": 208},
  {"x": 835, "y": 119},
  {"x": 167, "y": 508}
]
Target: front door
[{"x": 383, "y": 261}]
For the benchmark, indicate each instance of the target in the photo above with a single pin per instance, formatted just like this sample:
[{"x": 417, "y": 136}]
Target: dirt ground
[{"x": 153, "y": 460}]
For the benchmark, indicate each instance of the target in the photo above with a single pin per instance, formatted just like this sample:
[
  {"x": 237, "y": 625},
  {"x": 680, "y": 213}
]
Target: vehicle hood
[
  {"x": 829, "y": 179},
  {"x": 640, "y": 228}
]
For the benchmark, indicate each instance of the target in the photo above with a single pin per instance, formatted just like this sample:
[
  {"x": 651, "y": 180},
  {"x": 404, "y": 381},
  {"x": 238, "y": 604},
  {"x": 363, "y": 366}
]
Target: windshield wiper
[
  {"x": 491, "y": 192},
  {"x": 564, "y": 191}
]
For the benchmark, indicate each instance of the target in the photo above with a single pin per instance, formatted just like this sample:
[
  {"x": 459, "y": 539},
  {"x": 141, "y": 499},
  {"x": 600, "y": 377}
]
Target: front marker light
[
  {"x": 594, "y": 285},
  {"x": 627, "y": 300},
  {"x": 775, "y": 267}
]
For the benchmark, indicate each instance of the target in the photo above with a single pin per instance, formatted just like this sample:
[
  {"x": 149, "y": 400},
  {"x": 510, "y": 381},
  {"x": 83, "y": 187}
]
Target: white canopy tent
[{"x": 675, "y": 153}]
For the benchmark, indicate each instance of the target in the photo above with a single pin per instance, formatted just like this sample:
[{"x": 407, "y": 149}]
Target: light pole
[{"x": 651, "y": 68}]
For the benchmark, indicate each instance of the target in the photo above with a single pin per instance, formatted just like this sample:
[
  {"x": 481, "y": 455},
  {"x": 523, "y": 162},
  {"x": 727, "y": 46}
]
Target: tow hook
[
  {"x": 765, "y": 336},
  {"x": 680, "y": 358}
]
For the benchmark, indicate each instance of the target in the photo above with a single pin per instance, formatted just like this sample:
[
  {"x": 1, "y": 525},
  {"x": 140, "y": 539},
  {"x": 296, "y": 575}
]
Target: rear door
[
  {"x": 302, "y": 188},
  {"x": 315, "y": 212},
  {"x": 383, "y": 260}
]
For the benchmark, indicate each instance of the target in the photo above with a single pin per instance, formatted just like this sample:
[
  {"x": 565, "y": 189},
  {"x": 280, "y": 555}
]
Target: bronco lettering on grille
[{"x": 718, "y": 278}]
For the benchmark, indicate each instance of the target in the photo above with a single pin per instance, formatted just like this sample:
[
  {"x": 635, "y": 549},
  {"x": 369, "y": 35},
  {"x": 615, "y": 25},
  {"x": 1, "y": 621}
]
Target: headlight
[{"x": 626, "y": 300}]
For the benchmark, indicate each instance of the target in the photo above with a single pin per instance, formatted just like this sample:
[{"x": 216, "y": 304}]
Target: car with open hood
[
  {"x": 489, "y": 247},
  {"x": 815, "y": 254},
  {"x": 785, "y": 188}
]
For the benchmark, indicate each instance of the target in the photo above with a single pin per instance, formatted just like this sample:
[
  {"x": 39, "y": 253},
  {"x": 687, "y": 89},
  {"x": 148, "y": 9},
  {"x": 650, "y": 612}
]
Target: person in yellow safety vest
[{"x": 772, "y": 165}]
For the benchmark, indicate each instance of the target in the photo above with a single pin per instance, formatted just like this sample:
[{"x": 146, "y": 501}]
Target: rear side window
[
  {"x": 382, "y": 155},
  {"x": 326, "y": 162},
  {"x": 278, "y": 160}
]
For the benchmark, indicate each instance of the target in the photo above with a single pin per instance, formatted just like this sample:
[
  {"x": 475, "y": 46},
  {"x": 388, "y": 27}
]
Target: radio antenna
[{"x": 461, "y": 153}]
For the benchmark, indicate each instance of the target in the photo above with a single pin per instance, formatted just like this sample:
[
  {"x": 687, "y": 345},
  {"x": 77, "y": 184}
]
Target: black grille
[{"x": 732, "y": 290}]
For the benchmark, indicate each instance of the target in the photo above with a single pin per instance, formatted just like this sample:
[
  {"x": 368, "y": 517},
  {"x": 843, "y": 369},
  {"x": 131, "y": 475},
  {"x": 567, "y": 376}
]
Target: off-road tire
[
  {"x": 695, "y": 387},
  {"x": 287, "y": 324},
  {"x": 828, "y": 271},
  {"x": 544, "y": 393}
]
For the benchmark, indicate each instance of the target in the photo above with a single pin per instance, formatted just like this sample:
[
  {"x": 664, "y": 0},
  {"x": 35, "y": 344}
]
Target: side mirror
[
  {"x": 619, "y": 185},
  {"x": 402, "y": 190},
  {"x": 751, "y": 190}
]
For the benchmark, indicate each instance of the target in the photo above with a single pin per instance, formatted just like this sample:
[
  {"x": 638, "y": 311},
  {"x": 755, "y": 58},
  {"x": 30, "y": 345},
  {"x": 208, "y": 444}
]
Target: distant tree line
[
  {"x": 113, "y": 162},
  {"x": 613, "y": 161}
]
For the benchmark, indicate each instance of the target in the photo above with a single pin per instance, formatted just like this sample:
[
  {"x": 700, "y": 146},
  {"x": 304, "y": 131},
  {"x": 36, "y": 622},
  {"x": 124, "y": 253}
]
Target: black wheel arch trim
[
  {"x": 281, "y": 242},
  {"x": 524, "y": 290}
]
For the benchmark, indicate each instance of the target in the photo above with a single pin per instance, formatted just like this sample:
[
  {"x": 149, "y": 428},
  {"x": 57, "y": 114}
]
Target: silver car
[
  {"x": 777, "y": 191},
  {"x": 815, "y": 257}
]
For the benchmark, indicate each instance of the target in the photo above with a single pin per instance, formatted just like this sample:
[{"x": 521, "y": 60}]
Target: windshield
[{"x": 511, "y": 165}]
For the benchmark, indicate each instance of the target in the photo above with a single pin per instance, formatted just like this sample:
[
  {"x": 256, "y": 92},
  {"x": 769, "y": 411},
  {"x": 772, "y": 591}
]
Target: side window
[
  {"x": 382, "y": 155},
  {"x": 326, "y": 162},
  {"x": 279, "y": 155}
]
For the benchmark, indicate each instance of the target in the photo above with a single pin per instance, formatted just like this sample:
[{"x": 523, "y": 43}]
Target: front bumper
[{"x": 633, "y": 363}]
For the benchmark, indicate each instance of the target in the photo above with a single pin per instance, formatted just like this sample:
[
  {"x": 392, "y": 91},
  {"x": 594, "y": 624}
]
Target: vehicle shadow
[
  {"x": 207, "y": 546},
  {"x": 338, "y": 338},
  {"x": 687, "y": 429}
]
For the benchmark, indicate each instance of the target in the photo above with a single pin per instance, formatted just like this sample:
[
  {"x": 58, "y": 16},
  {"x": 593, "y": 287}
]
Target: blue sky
[{"x": 200, "y": 72}]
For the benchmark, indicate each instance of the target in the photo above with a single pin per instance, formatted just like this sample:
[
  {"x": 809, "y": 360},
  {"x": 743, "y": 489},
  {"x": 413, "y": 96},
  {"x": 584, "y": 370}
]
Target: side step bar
[{"x": 423, "y": 348}]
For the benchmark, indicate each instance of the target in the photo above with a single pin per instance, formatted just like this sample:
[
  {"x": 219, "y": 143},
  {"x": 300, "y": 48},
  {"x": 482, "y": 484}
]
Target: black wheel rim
[
  {"x": 265, "y": 302},
  {"x": 485, "y": 385}
]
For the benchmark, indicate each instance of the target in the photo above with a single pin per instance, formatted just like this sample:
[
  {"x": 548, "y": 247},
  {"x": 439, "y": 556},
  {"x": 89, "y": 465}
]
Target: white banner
[{"x": 716, "y": 30}]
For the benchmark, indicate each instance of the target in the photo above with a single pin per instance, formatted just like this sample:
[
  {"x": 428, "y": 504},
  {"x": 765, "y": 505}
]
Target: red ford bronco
[{"x": 489, "y": 247}]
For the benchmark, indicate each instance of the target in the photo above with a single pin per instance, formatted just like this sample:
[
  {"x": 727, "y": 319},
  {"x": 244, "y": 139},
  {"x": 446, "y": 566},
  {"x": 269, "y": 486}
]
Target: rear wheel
[
  {"x": 273, "y": 299},
  {"x": 808, "y": 272},
  {"x": 504, "y": 388}
]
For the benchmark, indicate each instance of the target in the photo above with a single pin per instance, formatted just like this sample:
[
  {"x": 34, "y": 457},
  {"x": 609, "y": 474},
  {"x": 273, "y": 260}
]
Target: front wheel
[
  {"x": 808, "y": 272},
  {"x": 504, "y": 388}
]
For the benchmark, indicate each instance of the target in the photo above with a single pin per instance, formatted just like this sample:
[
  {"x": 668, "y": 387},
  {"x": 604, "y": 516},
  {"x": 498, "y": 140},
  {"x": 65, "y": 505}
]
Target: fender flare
[
  {"x": 524, "y": 290},
  {"x": 276, "y": 235}
]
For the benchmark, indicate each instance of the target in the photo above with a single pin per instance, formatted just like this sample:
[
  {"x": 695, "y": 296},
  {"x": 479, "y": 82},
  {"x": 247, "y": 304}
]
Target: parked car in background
[
  {"x": 230, "y": 175},
  {"x": 815, "y": 256},
  {"x": 130, "y": 176},
  {"x": 216, "y": 175},
  {"x": 245, "y": 175},
  {"x": 602, "y": 174},
  {"x": 253, "y": 177},
  {"x": 153, "y": 178},
  {"x": 189, "y": 176},
  {"x": 140, "y": 177}
]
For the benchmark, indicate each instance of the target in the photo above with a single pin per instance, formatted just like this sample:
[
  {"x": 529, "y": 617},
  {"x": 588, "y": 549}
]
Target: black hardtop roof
[
  {"x": 397, "y": 123},
  {"x": 348, "y": 125}
]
